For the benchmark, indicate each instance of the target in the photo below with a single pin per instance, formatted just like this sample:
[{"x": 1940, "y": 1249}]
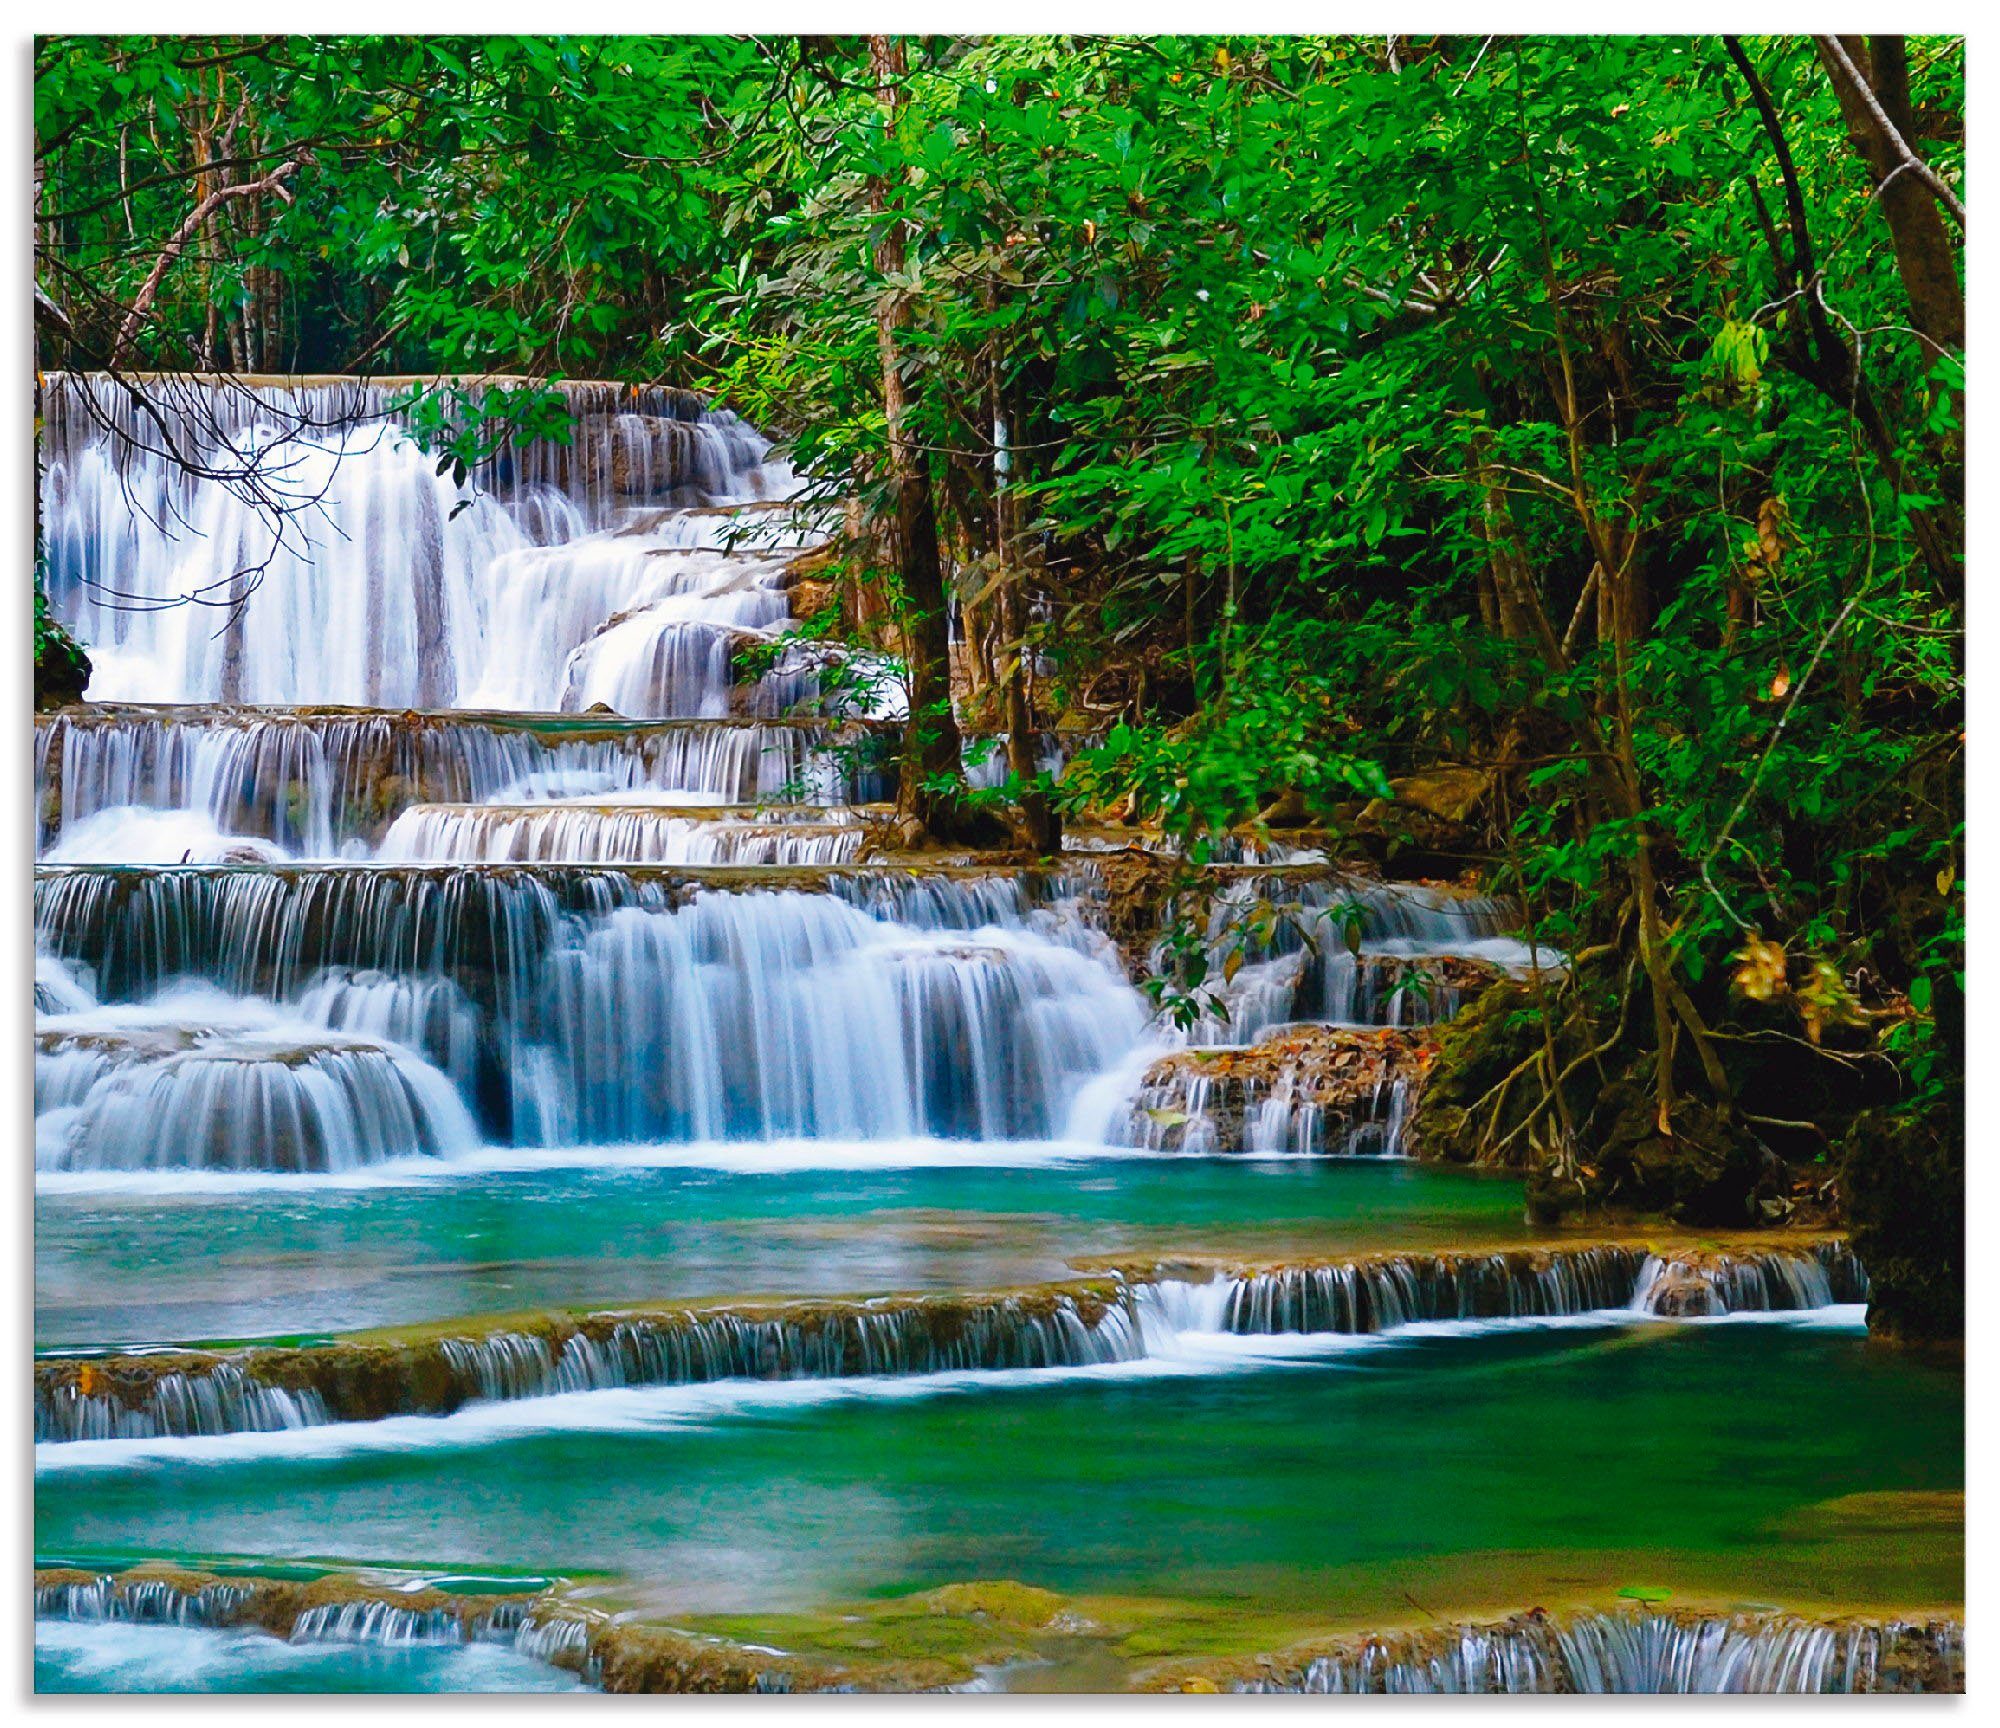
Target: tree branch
[{"x": 149, "y": 290}]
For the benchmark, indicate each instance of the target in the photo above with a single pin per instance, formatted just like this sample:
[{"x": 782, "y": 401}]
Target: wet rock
[
  {"x": 1467, "y": 1108},
  {"x": 1682, "y": 1293},
  {"x": 1430, "y": 820},
  {"x": 1302, "y": 1088}
]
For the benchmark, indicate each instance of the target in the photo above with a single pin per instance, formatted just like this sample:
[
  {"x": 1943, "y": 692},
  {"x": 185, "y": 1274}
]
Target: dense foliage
[{"x": 1298, "y": 413}]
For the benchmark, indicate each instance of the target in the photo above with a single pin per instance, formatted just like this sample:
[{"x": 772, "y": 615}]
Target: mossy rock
[
  {"x": 1002, "y": 1600},
  {"x": 62, "y": 668},
  {"x": 1904, "y": 1182},
  {"x": 1476, "y": 1051}
]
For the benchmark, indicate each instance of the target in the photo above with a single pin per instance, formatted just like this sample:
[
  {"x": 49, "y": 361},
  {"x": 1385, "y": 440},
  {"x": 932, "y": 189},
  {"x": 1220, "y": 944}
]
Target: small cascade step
[
  {"x": 1627, "y": 1651},
  {"x": 633, "y": 832},
  {"x": 217, "y": 1084},
  {"x": 1119, "y": 1315},
  {"x": 539, "y": 1620},
  {"x": 1300, "y": 1090},
  {"x": 332, "y": 1608},
  {"x": 1291, "y": 946},
  {"x": 319, "y": 782},
  {"x": 135, "y": 784}
]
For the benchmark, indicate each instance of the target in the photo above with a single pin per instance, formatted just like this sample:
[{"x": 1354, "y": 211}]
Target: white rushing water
[
  {"x": 377, "y": 1014},
  {"x": 569, "y": 616},
  {"x": 569, "y": 1005},
  {"x": 318, "y": 555},
  {"x": 112, "y": 783},
  {"x": 119, "y": 1656},
  {"x": 198, "y": 1080}
]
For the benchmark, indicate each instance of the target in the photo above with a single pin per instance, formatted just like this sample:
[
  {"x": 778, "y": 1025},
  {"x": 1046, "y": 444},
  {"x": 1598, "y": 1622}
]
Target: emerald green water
[
  {"x": 1510, "y": 1465},
  {"x": 234, "y": 1260}
]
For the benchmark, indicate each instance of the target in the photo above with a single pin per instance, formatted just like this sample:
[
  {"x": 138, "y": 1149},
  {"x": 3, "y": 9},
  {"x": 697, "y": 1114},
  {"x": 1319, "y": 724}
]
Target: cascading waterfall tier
[
  {"x": 1323, "y": 947},
  {"x": 217, "y": 1399},
  {"x": 150, "y": 1394},
  {"x": 540, "y": 1621},
  {"x": 1304, "y": 1035},
  {"x": 1117, "y": 1317},
  {"x": 1300, "y": 1091},
  {"x": 245, "y": 542},
  {"x": 1635, "y": 1652},
  {"x": 1383, "y": 1292},
  {"x": 328, "y": 1610},
  {"x": 139, "y": 784},
  {"x": 204, "y": 1082},
  {"x": 625, "y": 833},
  {"x": 323, "y": 783},
  {"x": 595, "y": 1006}
]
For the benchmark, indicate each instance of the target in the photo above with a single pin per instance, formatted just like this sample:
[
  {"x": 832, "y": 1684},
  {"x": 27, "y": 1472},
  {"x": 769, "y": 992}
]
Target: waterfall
[
  {"x": 197, "y": 1081},
  {"x": 1399, "y": 1290},
  {"x": 1388, "y": 1291},
  {"x": 140, "y": 1602},
  {"x": 1137, "y": 1314},
  {"x": 326, "y": 785},
  {"x": 1588, "y": 1651},
  {"x": 219, "y": 1399},
  {"x": 1770, "y": 1281},
  {"x": 625, "y": 622},
  {"x": 560, "y": 1639},
  {"x": 1293, "y": 962},
  {"x": 58, "y": 987},
  {"x": 1179, "y": 1110},
  {"x": 377, "y": 1623},
  {"x": 1632, "y": 1652},
  {"x": 1345, "y": 951},
  {"x": 286, "y": 1609},
  {"x": 358, "y": 1014},
  {"x": 316, "y": 552},
  {"x": 836, "y": 1024},
  {"x": 618, "y": 833}
]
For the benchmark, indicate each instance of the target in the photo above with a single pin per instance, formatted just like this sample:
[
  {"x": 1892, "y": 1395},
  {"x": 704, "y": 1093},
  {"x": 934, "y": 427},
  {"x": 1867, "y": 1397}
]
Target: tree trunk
[
  {"x": 931, "y": 792},
  {"x": 1925, "y": 257},
  {"x": 1822, "y": 356},
  {"x": 1038, "y": 813}
]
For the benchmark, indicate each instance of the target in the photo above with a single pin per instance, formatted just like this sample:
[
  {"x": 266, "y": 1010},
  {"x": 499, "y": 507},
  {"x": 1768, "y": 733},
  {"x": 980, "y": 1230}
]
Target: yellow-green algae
[{"x": 1826, "y": 1563}]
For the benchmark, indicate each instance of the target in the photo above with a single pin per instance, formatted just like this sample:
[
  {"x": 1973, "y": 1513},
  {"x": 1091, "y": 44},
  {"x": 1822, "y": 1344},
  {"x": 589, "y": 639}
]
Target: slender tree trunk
[
  {"x": 932, "y": 790},
  {"x": 1038, "y": 813}
]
